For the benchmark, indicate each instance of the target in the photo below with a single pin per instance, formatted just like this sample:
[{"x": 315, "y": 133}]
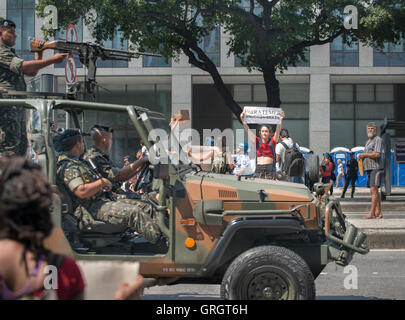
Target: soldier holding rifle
[{"x": 13, "y": 138}]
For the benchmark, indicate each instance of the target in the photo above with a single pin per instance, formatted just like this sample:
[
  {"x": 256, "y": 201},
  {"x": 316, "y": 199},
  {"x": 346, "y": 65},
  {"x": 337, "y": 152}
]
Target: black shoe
[{"x": 342, "y": 196}]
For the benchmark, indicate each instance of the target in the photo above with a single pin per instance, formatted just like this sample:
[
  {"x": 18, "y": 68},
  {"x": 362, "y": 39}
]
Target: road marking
[
  {"x": 375, "y": 272},
  {"x": 323, "y": 273},
  {"x": 385, "y": 250}
]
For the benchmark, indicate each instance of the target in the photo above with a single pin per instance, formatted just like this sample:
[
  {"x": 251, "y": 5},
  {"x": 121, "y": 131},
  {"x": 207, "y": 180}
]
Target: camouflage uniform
[
  {"x": 13, "y": 136},
  {"x": 104, "y": 164},
  {"x": 135, "y": 214}
]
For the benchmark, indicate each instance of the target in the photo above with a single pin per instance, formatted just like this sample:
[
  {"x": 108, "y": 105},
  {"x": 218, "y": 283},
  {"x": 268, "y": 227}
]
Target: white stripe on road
[{"x": 387, "y": 250}]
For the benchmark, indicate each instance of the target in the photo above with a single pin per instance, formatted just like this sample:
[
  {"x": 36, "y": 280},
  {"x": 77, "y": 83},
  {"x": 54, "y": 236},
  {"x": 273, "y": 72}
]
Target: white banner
[{"x": 262, "y": 115}]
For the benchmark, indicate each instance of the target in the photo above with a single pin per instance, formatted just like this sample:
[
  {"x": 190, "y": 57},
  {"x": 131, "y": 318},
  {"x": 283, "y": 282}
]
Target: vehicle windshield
[{"x": 167, "y": 141}]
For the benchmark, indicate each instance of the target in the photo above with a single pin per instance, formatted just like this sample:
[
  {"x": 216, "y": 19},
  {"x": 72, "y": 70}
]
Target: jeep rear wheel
[{"x": 268, "y": 273}]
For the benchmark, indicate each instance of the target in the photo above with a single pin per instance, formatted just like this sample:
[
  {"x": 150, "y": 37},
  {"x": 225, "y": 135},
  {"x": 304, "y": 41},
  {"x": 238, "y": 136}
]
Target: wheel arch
[{"x": 244, "y": 233}]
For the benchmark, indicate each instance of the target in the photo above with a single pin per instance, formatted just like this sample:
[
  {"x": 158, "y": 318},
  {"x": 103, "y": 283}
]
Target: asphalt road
[{"x": 380, "y": 276}]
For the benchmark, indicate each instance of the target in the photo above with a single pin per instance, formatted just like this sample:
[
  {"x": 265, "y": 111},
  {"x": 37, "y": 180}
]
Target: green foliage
[
  {"x": 267, "y": 35},
  {"x": 263, "y": 32}
]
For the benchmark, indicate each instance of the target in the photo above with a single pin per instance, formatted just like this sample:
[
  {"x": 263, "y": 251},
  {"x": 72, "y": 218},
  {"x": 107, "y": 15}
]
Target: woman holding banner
[{"x": 265, "y": 147}]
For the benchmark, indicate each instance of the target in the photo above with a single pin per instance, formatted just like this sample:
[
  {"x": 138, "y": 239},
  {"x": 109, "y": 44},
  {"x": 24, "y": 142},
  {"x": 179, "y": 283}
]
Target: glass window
[
  {"x": 298, "y": 131},
  {"x": 22, "y": 14},
  {"x": 344, "y": 55},
  {"x": 391, "y": 55},
  {"x": 374, "y": 111},
  {"x": 296, "y": 111},
  {"x": 342, "y": 133},
  {"x": 112, "y": 93},
  {"x": 259, "y": 93},
  {"x": 385, "y": 92},
  {"x": 341, "y": 111},
  {"x": 306, "y": 63},
  {"x": 148, "y": 61},
  {"x": 238, "y": 62},
  {"x": 365, "y": 92},
  {"x": 294, "y": 92},
  {"x": 349, "y": 120},
  {"x": 141, "y": 95},
  {"x": 61, "y": 35},
  {"x": 242, "y": 92},
  {"x": 343, "y": 93},
  {"x": 211, "y": 45}
]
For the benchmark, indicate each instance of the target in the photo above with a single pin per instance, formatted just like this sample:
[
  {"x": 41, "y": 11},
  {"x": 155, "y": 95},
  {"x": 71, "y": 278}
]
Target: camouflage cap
[{"x": 371, "y": 124}]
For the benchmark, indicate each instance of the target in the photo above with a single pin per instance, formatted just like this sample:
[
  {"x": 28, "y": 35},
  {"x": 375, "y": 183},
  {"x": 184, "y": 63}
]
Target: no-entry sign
[
  {"x": 70, "y": 65},
  {"x": 70, "y": 70}
]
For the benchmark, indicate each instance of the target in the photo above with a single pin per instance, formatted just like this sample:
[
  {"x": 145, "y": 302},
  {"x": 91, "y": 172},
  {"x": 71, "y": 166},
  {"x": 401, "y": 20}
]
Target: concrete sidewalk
[{"x": 386, "y": 233}]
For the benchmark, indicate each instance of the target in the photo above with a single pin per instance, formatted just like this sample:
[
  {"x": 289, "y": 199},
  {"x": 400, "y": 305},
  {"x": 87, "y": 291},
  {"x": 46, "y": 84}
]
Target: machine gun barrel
[{"x": 88, "y": 49}]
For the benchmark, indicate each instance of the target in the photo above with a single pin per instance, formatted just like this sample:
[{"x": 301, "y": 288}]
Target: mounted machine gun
[{"x": 88, "y": 54}]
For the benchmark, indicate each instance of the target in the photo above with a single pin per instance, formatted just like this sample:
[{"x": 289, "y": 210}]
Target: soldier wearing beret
[
  {"x": 13, "y": 139},
  {"x": 88, "y": 192}
]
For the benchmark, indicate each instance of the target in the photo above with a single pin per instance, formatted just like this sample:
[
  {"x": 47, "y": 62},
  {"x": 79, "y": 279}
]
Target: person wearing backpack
[
  {"x": 289, "y": 159},
  {"x": 265, "y": 148}
]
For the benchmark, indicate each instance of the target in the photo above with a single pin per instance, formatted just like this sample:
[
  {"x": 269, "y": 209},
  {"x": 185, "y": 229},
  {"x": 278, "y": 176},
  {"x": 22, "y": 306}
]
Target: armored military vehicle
[{"x": 259, "y": 239}]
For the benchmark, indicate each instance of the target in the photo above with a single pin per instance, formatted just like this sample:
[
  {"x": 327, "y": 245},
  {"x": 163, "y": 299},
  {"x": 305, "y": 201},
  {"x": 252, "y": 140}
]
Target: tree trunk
[{"x": 272, "y": 87}]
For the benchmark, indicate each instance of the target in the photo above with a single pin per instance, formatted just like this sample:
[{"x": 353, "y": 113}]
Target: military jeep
[{"x": 259, "y": 239}]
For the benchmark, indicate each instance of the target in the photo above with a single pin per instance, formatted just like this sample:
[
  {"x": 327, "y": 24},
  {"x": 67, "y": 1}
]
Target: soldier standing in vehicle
[
  {"x": 88, "y": 193},
  {"x": 101, "y": 137},
  {"x": 13, "y": 137}
]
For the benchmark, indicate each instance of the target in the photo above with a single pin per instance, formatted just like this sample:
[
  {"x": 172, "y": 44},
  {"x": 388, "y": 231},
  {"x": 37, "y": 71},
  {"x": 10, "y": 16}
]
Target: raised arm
[
  {"x": 278, "y": 128},
  {"x": 251, "y": 135}
]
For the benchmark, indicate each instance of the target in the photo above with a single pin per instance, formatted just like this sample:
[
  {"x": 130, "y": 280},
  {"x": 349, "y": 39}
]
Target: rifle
[
  {"x": 109, "y": 193},
  {"x": 88, "y": 54}
]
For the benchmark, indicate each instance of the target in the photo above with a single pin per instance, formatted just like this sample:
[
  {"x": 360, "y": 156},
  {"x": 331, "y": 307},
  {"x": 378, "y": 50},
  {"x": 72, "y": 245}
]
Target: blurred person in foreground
[{"x": 25, "y": 222}]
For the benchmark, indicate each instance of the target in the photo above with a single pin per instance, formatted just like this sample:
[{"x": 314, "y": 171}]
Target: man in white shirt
[
  {"x": 242, "y": 160},
  {"x": 280, "y": 153}
]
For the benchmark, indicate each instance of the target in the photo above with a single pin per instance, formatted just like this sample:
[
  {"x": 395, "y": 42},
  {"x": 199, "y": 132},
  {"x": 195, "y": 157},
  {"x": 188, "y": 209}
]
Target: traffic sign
[
  {"x": 70, "y": 65},
  {"x": 70, "y": 70},
  {"x": 71, "y": 33}
]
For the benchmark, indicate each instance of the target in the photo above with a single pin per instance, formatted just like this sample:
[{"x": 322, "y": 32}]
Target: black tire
[
  {"x": 313, "y": 166},
  {"x": 268, "y": 273}
]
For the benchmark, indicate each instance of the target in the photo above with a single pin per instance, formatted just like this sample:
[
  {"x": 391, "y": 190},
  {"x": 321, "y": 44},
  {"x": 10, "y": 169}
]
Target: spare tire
[{"x": 313, "y": 167}]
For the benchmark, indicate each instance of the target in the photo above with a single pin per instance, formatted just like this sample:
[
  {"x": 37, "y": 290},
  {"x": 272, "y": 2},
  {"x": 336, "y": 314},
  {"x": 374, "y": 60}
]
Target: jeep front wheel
[{"x": 268, "y": 273}]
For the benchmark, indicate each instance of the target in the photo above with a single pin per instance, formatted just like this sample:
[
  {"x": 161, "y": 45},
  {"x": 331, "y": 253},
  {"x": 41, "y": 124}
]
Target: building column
[
  {"x": 182, "y": 95},
  {"x": 319, "y": 113},
  {"x": 366, "y": 56},
  {"x": 3, "y": 9},
  {"x": 226, "y": 61}
]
